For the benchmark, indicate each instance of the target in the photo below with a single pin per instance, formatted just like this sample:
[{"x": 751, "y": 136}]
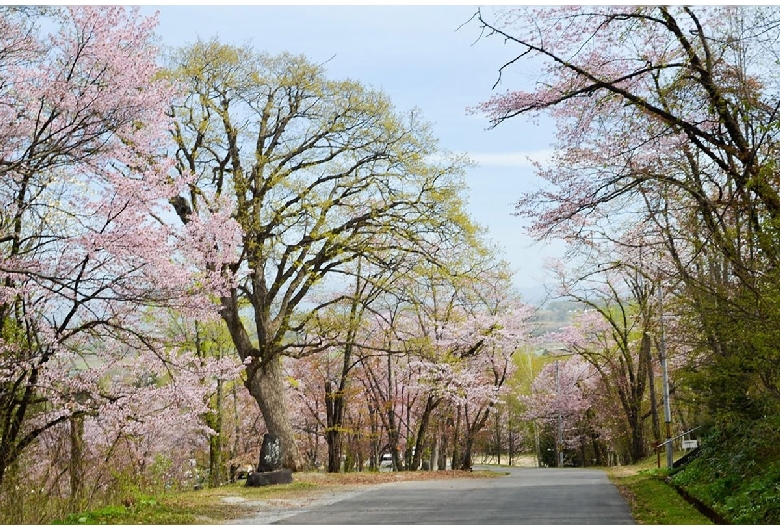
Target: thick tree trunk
[
  {"x": 265, "y": 382},
  {"x": 334, "y": 410},
  {"x": 422, "y": 432},
  {"x": 466, "y": 458},
  {"x": 434, "y": 453},
  {"x": 638, "y": 450},
  {"x": 471, "y": 434}
]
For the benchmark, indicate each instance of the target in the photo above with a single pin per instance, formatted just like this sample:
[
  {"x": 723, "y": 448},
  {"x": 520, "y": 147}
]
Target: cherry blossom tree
[
  {"x": 424, "y": 350},
  {"x": 666, "y": 117},
  {"x": 210, "y": 342},
  {"x": 144, "y": 434},
  {"x": 382, "y": 374},
  {"x": 84, "y": 250},
  {"x": 478, "y": 362},
  {"x": 614, "y": 338},
  {"x": 672, "y": 77},
  {"x": 158, "y": 407},
  {"x": 560, "y": 398}
]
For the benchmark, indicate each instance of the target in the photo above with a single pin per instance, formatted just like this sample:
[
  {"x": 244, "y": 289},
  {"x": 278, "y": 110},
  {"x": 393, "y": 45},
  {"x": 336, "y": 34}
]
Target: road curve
[{"x": 524, "y": 496}]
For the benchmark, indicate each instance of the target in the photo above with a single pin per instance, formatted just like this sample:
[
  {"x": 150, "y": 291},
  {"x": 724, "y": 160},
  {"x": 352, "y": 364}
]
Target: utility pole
[
  {"x": 533, "y": 422},
  {"x": 559, "y": 444},
  {"x": 665, "y": 372}
]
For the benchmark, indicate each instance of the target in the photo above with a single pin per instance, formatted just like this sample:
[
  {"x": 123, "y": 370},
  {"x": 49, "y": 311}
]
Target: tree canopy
[{"x": 316, "y": 173}]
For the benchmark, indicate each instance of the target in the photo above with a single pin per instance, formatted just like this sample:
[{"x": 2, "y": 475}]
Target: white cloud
[{"x": 512, "y": 159}]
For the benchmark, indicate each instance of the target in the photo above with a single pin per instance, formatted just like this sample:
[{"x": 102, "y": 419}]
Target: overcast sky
[{"x": 423, "y": 57}]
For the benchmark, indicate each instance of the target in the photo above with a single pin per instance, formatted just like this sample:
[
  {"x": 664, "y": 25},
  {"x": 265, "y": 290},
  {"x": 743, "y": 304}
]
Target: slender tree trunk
[
  {"x": 442, "y": 462},
  {"x": 537, "y": 445},
  {"x": 215, "y": 440},
  {"x": 314, "y": 464},
  {"x": 360, "y": 456},
  {"x": 653, "y": 402},
  {"x": 511, "y": 441},
  {"x": 374, "y": 426},
  {"x": 408, "y": 455},
  {"x": 236, "y": 421},
  {"x": 456, "y": 463},
  {"x": 76, "y": 463},
  {"x": 498, "y": 440},
  {"x": 435, "y": 452},
  {"x": 392, "y": 427}
]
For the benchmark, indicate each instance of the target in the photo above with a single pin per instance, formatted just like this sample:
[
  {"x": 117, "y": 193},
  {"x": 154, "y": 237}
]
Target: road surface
[{"x": 525, "y": 496}]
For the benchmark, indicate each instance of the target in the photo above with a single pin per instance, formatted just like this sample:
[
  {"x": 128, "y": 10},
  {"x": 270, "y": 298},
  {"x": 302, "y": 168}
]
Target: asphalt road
[{"x": 525, "y": 496}]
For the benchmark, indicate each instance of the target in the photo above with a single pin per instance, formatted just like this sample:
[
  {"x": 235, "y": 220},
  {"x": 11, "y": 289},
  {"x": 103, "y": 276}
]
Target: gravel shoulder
[{"x": 273, "y": 510}]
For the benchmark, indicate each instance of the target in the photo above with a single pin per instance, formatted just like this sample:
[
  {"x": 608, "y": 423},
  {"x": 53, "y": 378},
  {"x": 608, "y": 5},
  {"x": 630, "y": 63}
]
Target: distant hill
[
  {"x": 535, "y": 295},
  {"x": 555, "y": 314}
]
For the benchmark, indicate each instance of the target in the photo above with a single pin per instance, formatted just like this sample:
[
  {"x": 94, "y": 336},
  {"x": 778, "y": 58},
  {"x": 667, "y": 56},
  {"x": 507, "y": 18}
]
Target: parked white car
[{"x": 386, "y": 462}]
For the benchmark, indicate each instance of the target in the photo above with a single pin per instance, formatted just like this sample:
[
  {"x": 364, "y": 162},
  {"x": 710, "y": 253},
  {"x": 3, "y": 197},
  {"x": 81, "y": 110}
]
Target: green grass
[
  {"x": 651, "y": 498},
  {"x": 191, "y": 507},
  {"x": 654, "y": 501}
]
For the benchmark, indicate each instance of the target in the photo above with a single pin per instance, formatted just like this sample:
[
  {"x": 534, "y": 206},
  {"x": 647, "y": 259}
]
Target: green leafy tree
[{"x": 316, "y": 173}]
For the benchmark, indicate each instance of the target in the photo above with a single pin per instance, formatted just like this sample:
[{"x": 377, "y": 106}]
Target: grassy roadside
[
  {"x": 234, "y": 501},
  {"x": 652, "y": 500}
]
